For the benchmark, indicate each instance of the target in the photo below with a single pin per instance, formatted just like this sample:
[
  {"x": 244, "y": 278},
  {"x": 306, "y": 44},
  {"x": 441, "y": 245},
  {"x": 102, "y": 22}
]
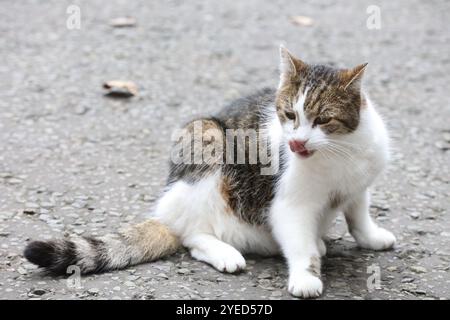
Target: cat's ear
[
  {"x": 352, "y": 77},
  {"x": 290, "y": 66}
]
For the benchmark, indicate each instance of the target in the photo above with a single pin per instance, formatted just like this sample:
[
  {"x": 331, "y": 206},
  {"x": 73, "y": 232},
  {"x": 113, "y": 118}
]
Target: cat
[{"x": 326, "y": 144}]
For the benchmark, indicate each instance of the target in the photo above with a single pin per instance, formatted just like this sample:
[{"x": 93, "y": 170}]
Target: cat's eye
[
  {"x": 321, "y": 120},
  {"x": 290, "y": 114}
]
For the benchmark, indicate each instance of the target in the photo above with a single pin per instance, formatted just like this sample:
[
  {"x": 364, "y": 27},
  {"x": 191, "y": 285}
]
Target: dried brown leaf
[
  {"x": 302, "y": 21},
  {"x": 119, "y": 88},
  {"x": 123, "y": 22}
]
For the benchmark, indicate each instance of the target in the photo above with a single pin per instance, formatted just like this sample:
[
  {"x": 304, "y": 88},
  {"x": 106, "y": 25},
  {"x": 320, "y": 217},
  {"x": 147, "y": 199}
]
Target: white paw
[
  {"x": 322, "y": 248},
  {"x": 228, "y": 259},
  {"x": 305, "y": 285},
  {"x": 376, "y": 239}
]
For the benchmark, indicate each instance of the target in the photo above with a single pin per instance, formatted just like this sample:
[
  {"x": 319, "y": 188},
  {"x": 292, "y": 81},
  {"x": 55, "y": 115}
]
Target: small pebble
[
  {"x": 39, "y": 292},
  {"x": 418, "y": 269},
  {"x": 94, "y": 291}
]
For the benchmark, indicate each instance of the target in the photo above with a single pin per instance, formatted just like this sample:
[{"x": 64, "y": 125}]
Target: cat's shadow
[{"x": 345, "y": 269}]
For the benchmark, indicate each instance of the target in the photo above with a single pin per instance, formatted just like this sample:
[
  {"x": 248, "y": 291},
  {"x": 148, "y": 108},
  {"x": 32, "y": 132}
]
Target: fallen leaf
[
  {"x": 120, "y": 89},
  {"x": 302, "y": 21},
  {"x": 123, "y": 22}
]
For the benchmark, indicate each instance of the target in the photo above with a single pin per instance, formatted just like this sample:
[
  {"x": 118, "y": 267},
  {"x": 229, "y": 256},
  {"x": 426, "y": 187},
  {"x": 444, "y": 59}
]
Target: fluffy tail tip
[{"x": 40, "y": 253}]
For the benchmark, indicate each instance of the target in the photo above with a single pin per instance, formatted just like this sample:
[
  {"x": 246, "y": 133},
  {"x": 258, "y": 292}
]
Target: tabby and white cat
[{"x": 330, "y": 144}]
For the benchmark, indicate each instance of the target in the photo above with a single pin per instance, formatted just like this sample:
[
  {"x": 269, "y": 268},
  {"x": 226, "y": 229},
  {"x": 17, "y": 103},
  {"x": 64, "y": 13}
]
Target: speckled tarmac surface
[{"x": 73, "y": 160}]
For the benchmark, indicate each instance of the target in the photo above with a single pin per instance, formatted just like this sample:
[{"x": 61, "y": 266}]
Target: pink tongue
[{"x": 296, "y": 147}]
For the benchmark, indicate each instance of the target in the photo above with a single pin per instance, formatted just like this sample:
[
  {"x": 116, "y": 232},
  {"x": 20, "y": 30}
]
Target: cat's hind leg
[
  {"x": 222, "y": 256},
  {"x": 200, "y": 216}
]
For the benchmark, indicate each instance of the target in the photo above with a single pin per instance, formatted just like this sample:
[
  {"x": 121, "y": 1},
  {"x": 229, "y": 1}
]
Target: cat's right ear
[{"x": 290, "y": 66}]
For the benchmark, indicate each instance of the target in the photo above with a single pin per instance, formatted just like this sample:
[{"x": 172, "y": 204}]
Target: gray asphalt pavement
[{"x": 73, "y": 160}]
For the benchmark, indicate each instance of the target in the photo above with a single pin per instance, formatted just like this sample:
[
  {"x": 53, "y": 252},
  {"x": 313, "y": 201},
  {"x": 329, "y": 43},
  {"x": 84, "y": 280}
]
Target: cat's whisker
[
  {"x": 355, "y": 145},
  {"x": 322, "y": 152},
  {"x": 345, "y": 156}
]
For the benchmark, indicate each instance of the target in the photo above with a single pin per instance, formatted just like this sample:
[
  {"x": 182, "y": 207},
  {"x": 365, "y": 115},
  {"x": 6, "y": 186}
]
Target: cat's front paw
[
  {"x": 225, "y": 259},
  {"x": 377, "y": 239},
  {"x": 230, "y": 263},
  {"x": 305, "y": 285}
]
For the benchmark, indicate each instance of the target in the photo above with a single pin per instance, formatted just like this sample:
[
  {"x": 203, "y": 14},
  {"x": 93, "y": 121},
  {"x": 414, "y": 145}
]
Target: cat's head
[{"x": 317, "y": 105}]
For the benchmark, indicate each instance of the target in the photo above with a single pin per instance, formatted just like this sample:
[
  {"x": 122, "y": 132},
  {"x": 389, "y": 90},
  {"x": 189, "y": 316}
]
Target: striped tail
[{"x": 144, "y": 242}]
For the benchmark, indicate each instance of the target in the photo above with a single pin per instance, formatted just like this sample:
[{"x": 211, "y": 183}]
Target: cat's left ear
[{"x": 352, "y": 77}]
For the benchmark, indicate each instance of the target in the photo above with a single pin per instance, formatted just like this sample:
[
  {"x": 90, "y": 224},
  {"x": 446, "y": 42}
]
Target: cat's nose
[{"x": 298, "y": 145}]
